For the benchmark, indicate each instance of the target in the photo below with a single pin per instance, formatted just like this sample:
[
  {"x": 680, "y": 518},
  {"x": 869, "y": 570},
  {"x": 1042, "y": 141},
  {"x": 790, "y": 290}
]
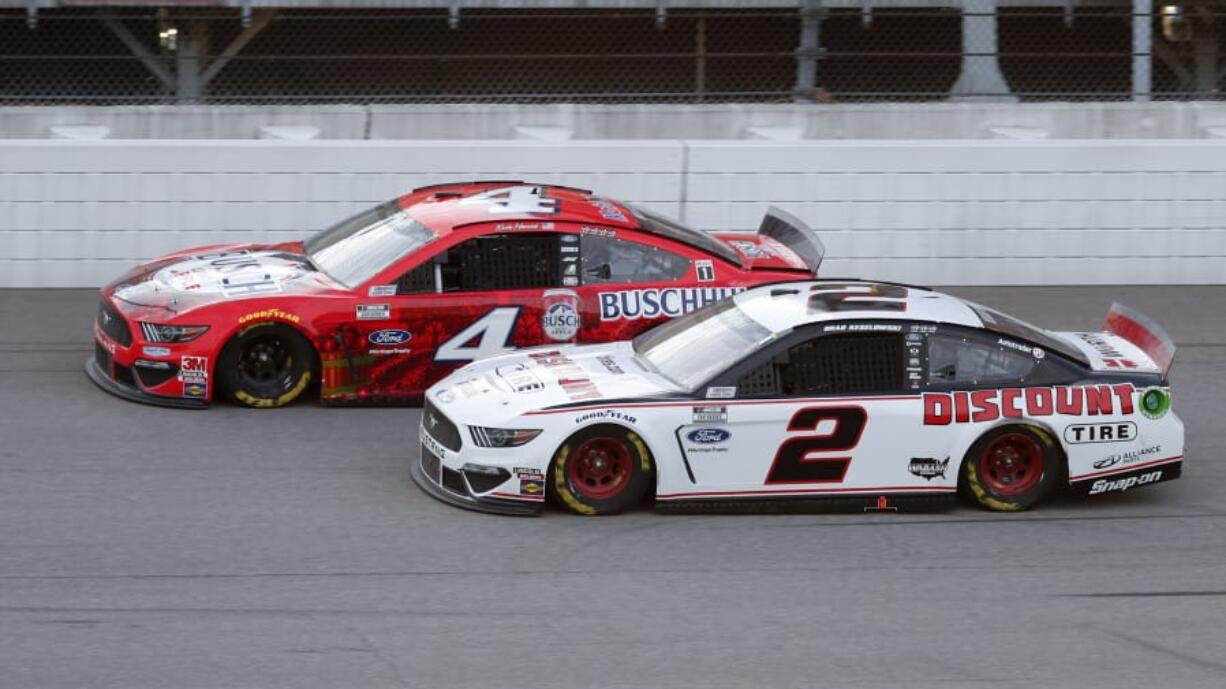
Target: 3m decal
[
  {"x": 269, "y": 314},
  {"x": 1123, "y": 484},
  {"x": 836, "y": 296},
  {"x": 928, "y": 468},
  {"x": 794, "y": 461},
  {"x": 571, "y": 377},
  {"x": 193, "y": 368},
  {"x": 1120, "y": 432},
  {"x": 654, "y": 303},
  {"x": 373, "y": 312},
  {"x": 943, "y": 408},
  {"x": 488, "y": 336}
]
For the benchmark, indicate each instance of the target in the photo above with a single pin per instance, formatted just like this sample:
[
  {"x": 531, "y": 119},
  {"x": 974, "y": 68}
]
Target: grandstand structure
[{"x": 111, "y": 52}]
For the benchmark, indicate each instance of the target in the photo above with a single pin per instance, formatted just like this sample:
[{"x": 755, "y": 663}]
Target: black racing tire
[
  {"x": 266, "y": 365},
  {"x": 603, "y": 469},
  {"x": 1012, "y": 468}
]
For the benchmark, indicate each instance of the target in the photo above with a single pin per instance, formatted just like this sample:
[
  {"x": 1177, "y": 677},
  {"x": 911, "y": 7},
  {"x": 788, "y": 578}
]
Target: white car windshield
[
  {"x": 358, "y": 248},
  {"x": 692, "y": 349}
]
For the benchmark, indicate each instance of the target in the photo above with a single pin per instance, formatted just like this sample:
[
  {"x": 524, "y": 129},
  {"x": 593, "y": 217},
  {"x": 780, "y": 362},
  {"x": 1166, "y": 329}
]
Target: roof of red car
[{"x": 445, "y": 207}]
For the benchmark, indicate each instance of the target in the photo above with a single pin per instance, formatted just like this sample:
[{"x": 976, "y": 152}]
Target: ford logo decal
[
  {"x": 390, "y": 337},
  {"x": 707, "y": 436}
]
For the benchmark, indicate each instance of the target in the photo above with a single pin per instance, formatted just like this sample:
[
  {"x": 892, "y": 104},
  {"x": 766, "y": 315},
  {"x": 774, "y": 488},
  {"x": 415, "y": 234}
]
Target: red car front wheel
[{"x": 266, "y": 365}]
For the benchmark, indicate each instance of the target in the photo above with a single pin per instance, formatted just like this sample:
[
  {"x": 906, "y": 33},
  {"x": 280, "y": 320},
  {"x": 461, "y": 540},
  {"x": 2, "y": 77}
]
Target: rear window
[
  {"x": 1005, "y": 324},
  {"x": 671, "y": 229}
]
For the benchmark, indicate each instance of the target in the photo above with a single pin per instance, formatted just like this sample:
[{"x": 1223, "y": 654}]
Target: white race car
[{"x": 874, "y": 393}]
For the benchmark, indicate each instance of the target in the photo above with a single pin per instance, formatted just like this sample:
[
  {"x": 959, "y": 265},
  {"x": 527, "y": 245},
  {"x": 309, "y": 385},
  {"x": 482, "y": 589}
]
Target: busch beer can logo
[
  {"x": 707, "y": 436},
  {"x": 389, "y": 336},
  {"x": 561, "y": 318}
]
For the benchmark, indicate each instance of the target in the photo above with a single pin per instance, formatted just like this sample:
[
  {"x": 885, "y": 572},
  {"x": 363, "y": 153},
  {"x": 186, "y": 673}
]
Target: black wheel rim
[{"x": 265, "y": 366}]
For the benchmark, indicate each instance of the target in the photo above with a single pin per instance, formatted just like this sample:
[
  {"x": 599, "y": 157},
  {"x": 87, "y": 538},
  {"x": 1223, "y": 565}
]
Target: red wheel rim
[
  {"x": 1012, "y": 464},
  {"x": 599, "y": 468}
]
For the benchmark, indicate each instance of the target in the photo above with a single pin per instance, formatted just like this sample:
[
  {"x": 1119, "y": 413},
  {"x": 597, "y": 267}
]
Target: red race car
[{"x": 380, "y": 306}]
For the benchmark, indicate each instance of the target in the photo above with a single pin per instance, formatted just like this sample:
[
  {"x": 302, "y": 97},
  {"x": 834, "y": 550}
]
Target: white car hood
[{"x": 495, "y": 390}]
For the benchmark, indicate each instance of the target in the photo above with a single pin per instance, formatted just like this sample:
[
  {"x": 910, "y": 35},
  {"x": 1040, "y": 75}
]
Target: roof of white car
[{"x": 780, "y": 307}]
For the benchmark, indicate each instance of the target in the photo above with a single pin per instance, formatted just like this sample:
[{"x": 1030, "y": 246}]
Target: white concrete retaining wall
[
  {"x": 74, "y": 214},
  {"x": 946, "y": 120}
]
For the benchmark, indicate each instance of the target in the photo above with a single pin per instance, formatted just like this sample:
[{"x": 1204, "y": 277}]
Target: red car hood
[{"x": 197, "y": 277}]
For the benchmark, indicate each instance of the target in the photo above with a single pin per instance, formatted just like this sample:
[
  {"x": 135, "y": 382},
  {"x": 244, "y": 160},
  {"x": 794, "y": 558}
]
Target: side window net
[
  {"x": 502, "y": 262},
  {"x": 846, "y": 363},
  {"x": 417, "y": 281},
  {"x": 830, "y": 365},
  {"x": 762, "y": 381}
]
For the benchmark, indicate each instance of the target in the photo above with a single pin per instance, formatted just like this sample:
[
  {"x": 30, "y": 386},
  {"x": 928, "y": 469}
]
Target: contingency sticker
[{"x": 374, "y": 312}]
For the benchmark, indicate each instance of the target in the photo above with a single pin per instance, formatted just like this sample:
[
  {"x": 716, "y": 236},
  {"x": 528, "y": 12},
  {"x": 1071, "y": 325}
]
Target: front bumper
[
  {"x": 103, "y": 379},
  {"x": 468, "y": 502},
  {"x": 438, "y": 470}
]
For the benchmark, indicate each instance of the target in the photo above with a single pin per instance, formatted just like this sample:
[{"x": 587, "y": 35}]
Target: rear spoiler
[
  {"x": 1143, "y": 332},
  {"x": 793, "y": 233}
]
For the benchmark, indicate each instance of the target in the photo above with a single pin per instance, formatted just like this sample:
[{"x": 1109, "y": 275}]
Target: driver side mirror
[{"x": 604, "y": 271}]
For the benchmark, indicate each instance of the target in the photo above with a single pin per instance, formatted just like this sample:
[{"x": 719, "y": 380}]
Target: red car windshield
[{"x": 355, "y": 250}]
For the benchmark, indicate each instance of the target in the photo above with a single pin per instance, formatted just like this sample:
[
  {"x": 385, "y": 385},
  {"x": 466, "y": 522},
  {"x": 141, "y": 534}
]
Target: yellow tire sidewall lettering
[{"x": 559, "y": 483}]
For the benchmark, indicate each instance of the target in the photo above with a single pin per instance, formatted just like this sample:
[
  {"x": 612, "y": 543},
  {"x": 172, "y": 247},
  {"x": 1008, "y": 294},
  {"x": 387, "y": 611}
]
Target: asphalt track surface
[{"x": 144, "y": 547}]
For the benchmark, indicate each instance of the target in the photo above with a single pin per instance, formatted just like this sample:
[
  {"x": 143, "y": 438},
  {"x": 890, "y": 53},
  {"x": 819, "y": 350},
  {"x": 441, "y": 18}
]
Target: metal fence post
[
  {"x": 189, "y": 61},
  {"x": 981, "y": 78},
  {"x": 811, "y": 12},
  {"x": 1142, "y": 49}
]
